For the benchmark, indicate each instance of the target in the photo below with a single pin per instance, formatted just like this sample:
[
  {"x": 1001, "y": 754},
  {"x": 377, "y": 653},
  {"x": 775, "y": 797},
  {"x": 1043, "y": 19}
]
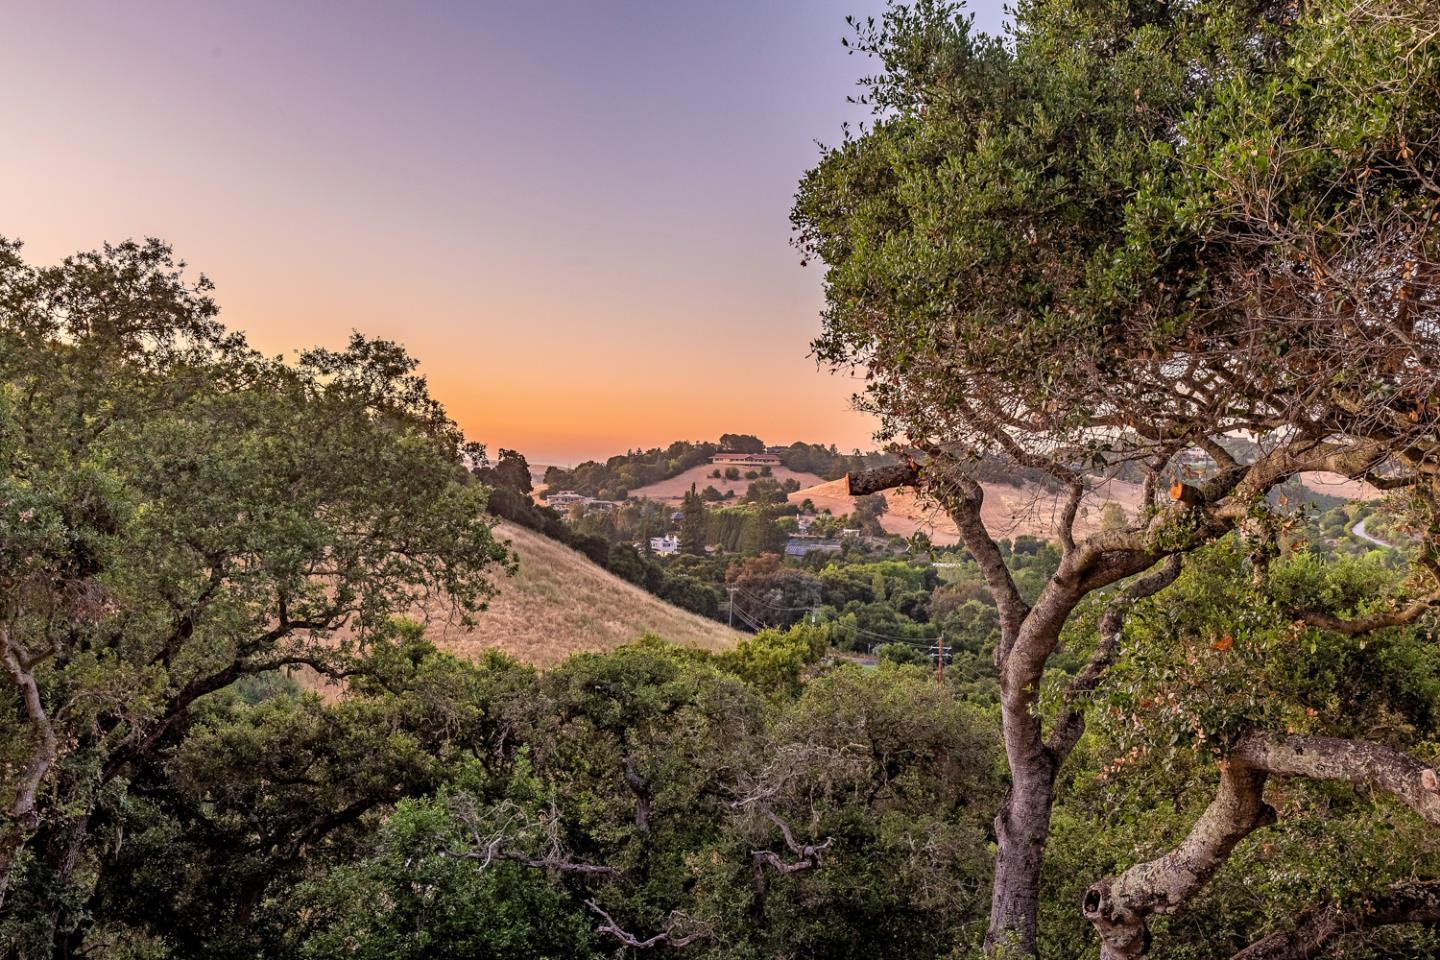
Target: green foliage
[
  {"x": 693, "y": 525},
  {"x": 776, "y": 661},
  {"x": 638, "y": 468},
  {"x": 180, "y": 512},
  {"x": 741, "y": 443},
  {"x": 437, "y": 905},
  {"x": 902, "y": 654}
]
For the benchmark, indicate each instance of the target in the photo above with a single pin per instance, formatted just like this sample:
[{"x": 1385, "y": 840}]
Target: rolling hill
[
  {"x": 675, "y": 488},
  {"x": 1010, "y": 511},
  {"x": 559, "y": 603}
]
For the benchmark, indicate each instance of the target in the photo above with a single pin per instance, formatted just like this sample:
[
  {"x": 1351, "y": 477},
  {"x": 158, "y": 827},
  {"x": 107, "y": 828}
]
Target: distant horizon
[
  {"x": 570, "y": 465},
  {"x": 576, "y": 216}
]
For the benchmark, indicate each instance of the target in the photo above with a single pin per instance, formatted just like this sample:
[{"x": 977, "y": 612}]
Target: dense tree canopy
[
  {"x": 1129, "y": 232},
  {"x": 179, "y": 512}
]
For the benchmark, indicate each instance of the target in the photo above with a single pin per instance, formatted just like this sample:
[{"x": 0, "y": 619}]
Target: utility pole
[
  {"x": 939, "y": 649},
  {"x": 731, "y": 607}
]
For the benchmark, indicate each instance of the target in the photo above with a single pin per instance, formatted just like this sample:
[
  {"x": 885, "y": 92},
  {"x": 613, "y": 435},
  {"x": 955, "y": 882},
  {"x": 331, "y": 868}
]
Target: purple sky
[{"x": 575, "y": 213}]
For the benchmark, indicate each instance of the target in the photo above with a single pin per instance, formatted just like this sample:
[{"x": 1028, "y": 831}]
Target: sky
[{"x": 575, "y": 213}]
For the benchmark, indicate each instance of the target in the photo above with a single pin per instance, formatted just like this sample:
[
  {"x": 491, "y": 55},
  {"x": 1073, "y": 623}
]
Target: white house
[
  {"x": 746, "y": 459},
  {"x": 665, "y": 545}
]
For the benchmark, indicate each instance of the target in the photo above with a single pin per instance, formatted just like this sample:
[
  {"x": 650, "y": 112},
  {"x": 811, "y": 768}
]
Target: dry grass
[
  {"x": 676, "y": 487},
  {"x": 1011, "y": 511},
  {"x": 1335, "y": 485},
  {"x": 1007, "y": 511},
  {"x": 560, "y": 603}
]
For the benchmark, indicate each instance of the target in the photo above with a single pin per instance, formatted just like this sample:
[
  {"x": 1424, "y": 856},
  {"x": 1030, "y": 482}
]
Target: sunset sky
[{"x": 575, "y": 213}]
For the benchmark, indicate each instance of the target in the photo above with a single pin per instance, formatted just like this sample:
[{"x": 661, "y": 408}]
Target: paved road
[{"x": 1359, "y": 531}]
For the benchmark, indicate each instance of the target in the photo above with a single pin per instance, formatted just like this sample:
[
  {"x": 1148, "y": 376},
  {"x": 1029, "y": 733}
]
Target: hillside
[
  {"x": 1008, "y": 511},
  {"x": 1334, "y": 485},
  {"x": 559, "y": 603},
  {"x": 674, "y": 488}
]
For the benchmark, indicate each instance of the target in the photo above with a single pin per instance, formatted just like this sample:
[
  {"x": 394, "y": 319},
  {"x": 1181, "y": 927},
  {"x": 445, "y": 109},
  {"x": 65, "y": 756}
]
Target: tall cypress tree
[{"x": 692, "y": 524}]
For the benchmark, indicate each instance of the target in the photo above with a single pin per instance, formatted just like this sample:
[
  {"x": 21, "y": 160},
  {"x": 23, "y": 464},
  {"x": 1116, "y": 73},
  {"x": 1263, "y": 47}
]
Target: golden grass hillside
[
  {"x": 675, "y": 488},
  {"x": 559, "y": 603},
  {"x": 1007, "y": 511}
]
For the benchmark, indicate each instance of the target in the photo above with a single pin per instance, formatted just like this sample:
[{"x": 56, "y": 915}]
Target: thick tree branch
[
  {"x": 1355, "y": 626},
  {"x": 641, "y": 789},
  {"x": 1071, "y": 724},
  {"x": 903, "y": 474},
  {"x": 1119, "y": 907},
  {"x": 808, "y": 854},
  {"x": 961, "y": 497},
  {"x": 24, "y": 813},
  {"x": 1319, "y": 927},
  {"x": 1356, "y": 762}
]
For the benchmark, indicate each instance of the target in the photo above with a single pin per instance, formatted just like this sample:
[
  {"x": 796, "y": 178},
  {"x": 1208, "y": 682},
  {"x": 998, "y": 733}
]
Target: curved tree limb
[
  {"x": 1071, "y": 723},
  {"x": 1319, "y": 927},
  {"x": 24, "y": 814},
  {"x": 1120, "y": 906},
  {"x": 1355, "y": 626}
]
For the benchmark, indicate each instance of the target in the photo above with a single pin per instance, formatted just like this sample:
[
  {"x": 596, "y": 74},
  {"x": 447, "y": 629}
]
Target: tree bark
[
  {"x": 1029, "y": 634},
  {"x": 1119, "y": 907},
  {"x": 24, "y": 814},
  {"x": 1022, "y": 829}
]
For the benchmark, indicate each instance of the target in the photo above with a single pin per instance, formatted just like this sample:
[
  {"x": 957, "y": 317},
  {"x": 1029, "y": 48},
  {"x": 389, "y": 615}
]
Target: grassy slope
[
  {"x": 675, "y": 487},
  {"x": 560, "y": 603},
  {"x": 1007, "y": 511}
]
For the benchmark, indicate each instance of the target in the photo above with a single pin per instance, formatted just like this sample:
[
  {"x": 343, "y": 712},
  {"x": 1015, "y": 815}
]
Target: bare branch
[
  {"x": 903, "y": 474},
  {"x": 1376, "y": 621},
  {"x": 962, "y": 497},
  {"x": 808, "y": 853},
  {"x": 498, "y": 834},
  {"x": 23, "y": 813},
  {"x": 667, "y": 936}
]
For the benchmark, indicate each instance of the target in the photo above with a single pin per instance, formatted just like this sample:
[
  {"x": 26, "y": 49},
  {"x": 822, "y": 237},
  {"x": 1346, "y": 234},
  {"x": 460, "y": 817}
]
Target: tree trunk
[{"x": 1022, "y": 829}]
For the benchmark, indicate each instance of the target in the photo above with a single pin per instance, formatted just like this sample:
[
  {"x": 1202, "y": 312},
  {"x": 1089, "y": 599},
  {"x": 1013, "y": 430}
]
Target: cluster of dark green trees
[
  {"x": 1131, "y": 231},
  {"x": 188, "y": 524},
  {"x": 622, "y": 473},
  {"x": 1124, "y": 233}
]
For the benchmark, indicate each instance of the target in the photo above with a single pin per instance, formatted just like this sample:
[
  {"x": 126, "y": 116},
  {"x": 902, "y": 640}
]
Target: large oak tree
[
  {"x": 178, "y": 512},
  {"x": 1132, "y": 232}
]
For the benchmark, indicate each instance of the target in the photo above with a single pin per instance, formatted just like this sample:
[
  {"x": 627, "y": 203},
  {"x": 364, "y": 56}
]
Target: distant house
[
  {"x": 1195, "y": 458},
  {"x": 803, "y": 521},
  {"x": 800, "y": 546},
  {"x": 666, "y": 545},
  {"x": 569, "y": 498},
  {"x": 746, "y": 459},
  {"x": 850, "y": 532}
]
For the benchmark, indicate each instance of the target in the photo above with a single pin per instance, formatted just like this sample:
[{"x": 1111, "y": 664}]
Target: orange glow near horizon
[{"x": 574, "y": 214}]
